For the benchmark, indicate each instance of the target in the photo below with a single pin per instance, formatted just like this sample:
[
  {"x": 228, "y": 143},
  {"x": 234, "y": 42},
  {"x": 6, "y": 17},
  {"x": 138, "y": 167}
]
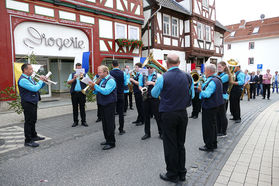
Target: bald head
[{"x": 172, "y": 60}]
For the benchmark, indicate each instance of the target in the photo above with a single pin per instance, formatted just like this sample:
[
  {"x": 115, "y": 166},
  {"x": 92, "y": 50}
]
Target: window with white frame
[
  {"x": 199, "y": 30},
  {"x": 174, "y": 28},
  {"x": 232, "y": 34},
  {"x": 133, "y": 33},
  {"x": 120, "y": 31},
  {"x": 250, "y": 61},
  {"x": 256, "y": 30},
  {"x": 251, "y": 45},
  {"x": 205, "y": 3},
  {"x": 229, "y": 46},
  {"x": 166, "y": 25},
  {"x": 207, "y": 33}
]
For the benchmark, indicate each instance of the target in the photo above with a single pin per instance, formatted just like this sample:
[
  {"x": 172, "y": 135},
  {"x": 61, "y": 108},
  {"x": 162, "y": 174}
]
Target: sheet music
[
  {"x": 86, "y": 80},
  {"x": 80, "y": 71}
]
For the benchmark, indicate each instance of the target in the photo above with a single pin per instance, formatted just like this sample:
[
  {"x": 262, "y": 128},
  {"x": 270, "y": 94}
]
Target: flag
[
  {"x": 85, "y": 61},
  {"x": 193, "y": 66},
  {"x": 18, "y": 72},
  {"x": 202, "y": 68},
  {"x": 142, "y": 59}
]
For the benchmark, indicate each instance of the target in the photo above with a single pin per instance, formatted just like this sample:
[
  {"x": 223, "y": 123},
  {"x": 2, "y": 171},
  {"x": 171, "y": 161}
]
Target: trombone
[{"x": 48, "y": 81}]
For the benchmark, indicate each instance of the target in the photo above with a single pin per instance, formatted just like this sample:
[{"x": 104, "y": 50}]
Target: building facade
[
  {"x": 57, "y": 32},
  {"x": 187, "y": 27},
  {"x": 254, "y": 44}
]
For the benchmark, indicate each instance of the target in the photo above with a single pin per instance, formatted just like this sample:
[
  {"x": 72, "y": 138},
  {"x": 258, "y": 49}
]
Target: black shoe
[
  {"x": 98, "y": 120},
  {"x": 75, "y": 124},
  {"x": 204, "y": 148},
  {"x": 238, "y": 121},
  {"x": 166, "y": 178},
  {"x": 38, "y": 138},
  {"x": 107, "y": 147},
  {"x": 232, "y": 119},
  {"x": 145, "y": 137},
  {"x": 104, "y": 143},
  {"x": 135, "y": 122},
  {"x": 221, "y": 135},
  {"x": 139, "y": 124},
  {"x": 195, "y": 117},
  {"x": 122, "y": 132},
  {"x": 182, "y": 178},
  {"x": 31, "y": 144},
  {"x": 84, "y": 124}
]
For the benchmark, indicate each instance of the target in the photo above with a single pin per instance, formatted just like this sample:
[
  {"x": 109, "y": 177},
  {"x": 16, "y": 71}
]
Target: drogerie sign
[{"x": 36, "y": 38}]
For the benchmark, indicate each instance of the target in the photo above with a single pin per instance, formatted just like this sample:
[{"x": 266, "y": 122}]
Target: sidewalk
[
  {"x": 44, "y": 111},
  {"x": 255, "y": 159}
]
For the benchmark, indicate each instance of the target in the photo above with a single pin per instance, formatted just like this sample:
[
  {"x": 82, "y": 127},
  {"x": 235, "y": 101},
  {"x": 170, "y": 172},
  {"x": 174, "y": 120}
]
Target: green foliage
[
  {"x": 90, "y": 97},
  {"x": 10, "y": 93}
]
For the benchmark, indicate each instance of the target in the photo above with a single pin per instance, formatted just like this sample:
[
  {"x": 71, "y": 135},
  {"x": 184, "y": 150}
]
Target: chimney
[{"x": 242, "y": 23}]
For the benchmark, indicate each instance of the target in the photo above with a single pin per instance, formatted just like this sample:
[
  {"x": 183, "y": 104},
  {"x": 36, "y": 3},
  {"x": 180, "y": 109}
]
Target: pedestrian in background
[
  {"x": 246, "y": 86},
  {"x": 275, "y": 82},
  {"x": 266, "y": 84},
  {"x": 259, "y": 83},
  {"x": 253, "y": 81}
]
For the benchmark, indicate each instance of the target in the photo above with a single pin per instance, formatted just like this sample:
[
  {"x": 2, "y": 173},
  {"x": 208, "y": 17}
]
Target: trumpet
[{"x": 48, "y": 81}]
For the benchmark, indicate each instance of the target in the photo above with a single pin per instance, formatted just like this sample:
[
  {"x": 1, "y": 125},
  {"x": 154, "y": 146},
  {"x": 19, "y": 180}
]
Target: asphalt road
[{"x": 73, "y": 156}]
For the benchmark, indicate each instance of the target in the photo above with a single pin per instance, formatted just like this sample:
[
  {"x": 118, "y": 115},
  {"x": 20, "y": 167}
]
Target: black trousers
[
  {"x": 30, "y": 119},
  {"x": 120, "y": 110},
  {"x": 174, "y": 126},
  {"x": 209, "y": 127},
  {"x": 128, "y": 103},
  {"x": 99, "y": 115},
  {"x": 151, "y": 106},
  {"x": 253, "y": 91},
  {"x": 266, "y": 87},
  {"x": 139, "y": 105},
  {"x": 235, "y": 104},
  {"x": 196, "y": 103},
  {"x": 222, "y": 121},
  {"x": 108, "y": 122},
  {"x": 78, "y": 99}
]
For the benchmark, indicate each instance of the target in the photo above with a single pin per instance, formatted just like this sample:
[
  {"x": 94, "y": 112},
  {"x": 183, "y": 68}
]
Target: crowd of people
[{"x": 165, "y": 97}]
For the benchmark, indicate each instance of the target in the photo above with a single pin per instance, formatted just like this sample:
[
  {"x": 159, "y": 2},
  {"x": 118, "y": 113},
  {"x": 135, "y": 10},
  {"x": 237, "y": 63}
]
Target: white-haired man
[{"x": 211, "y": 94}]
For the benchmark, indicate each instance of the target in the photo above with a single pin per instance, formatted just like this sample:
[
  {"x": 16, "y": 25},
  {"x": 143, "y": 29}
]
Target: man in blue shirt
[
  {"x": 138, "y": 97},
  {"x": 29, "y": 93},
  {"x": 275, "y": 82},
  {"x": 107, "y": 97},
  {"x": 150, "y": 104},
  {"x": 212, "y": 98},
  {"x": 236, "y": 93},
  {"x": 77, "y": 97},
  {"x": 120, "y": 79},
  {"x": 176, "y": 90}
]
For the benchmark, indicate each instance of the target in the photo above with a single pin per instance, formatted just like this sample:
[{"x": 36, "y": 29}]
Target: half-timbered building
[
  {"x": 188, "y": 27},
  {"x": 59, "y": 31}
]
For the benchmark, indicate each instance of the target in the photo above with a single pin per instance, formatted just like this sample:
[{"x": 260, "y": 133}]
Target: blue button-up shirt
[
  {"x": 225, "y": 79},
  {"x": 210, "y": 89},
  {"x": 156, "y": 91},
  {"x": 149, "y": 78},
  {"x": 110, "y": 86},
  {"x": 240, "y": 78},
  {"x": 247, "y": 78},
  {"x": 33, "y": 87},
  {"x": 77, "y": 87}
]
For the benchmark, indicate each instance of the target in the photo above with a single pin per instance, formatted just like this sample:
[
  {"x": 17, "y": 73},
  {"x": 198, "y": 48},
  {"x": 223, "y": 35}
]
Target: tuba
[
  {"x": 232, "y": 64},
  {"x": 150, "y": 61},
  {"x": 196, "y": 77}
]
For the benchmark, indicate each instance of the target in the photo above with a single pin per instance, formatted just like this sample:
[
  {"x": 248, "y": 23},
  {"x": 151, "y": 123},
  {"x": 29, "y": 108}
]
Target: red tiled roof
[{"x": 267, "y": 28}]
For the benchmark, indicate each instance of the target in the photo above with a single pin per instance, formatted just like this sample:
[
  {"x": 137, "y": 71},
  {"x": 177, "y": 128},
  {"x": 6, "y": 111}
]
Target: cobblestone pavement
[
  {"x": 73, "y": 156},
  {"x": 255, "y": 159}
]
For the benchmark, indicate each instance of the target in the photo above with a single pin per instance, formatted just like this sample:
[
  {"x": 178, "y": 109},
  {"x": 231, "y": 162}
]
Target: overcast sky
[{"x": 232, "y": 11}]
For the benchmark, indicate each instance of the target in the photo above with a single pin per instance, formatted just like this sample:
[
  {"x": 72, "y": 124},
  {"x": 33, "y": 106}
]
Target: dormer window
[
  {"x": 232, "y": 34},
  {"x": 256, "y": 30}
]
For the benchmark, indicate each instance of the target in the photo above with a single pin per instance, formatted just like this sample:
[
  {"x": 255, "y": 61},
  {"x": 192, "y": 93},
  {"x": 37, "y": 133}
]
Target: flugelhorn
[
  {"x": 94, "y": 81},
  {"x": 48, "y": 81}
]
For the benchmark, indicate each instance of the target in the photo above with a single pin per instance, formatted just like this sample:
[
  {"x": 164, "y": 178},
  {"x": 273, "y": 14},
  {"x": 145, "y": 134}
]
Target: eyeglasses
[{"x": 149, "y": 67}]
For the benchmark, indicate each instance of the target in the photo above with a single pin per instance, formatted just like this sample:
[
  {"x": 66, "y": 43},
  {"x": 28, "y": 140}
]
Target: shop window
[{"x": 166, "y": 25}]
